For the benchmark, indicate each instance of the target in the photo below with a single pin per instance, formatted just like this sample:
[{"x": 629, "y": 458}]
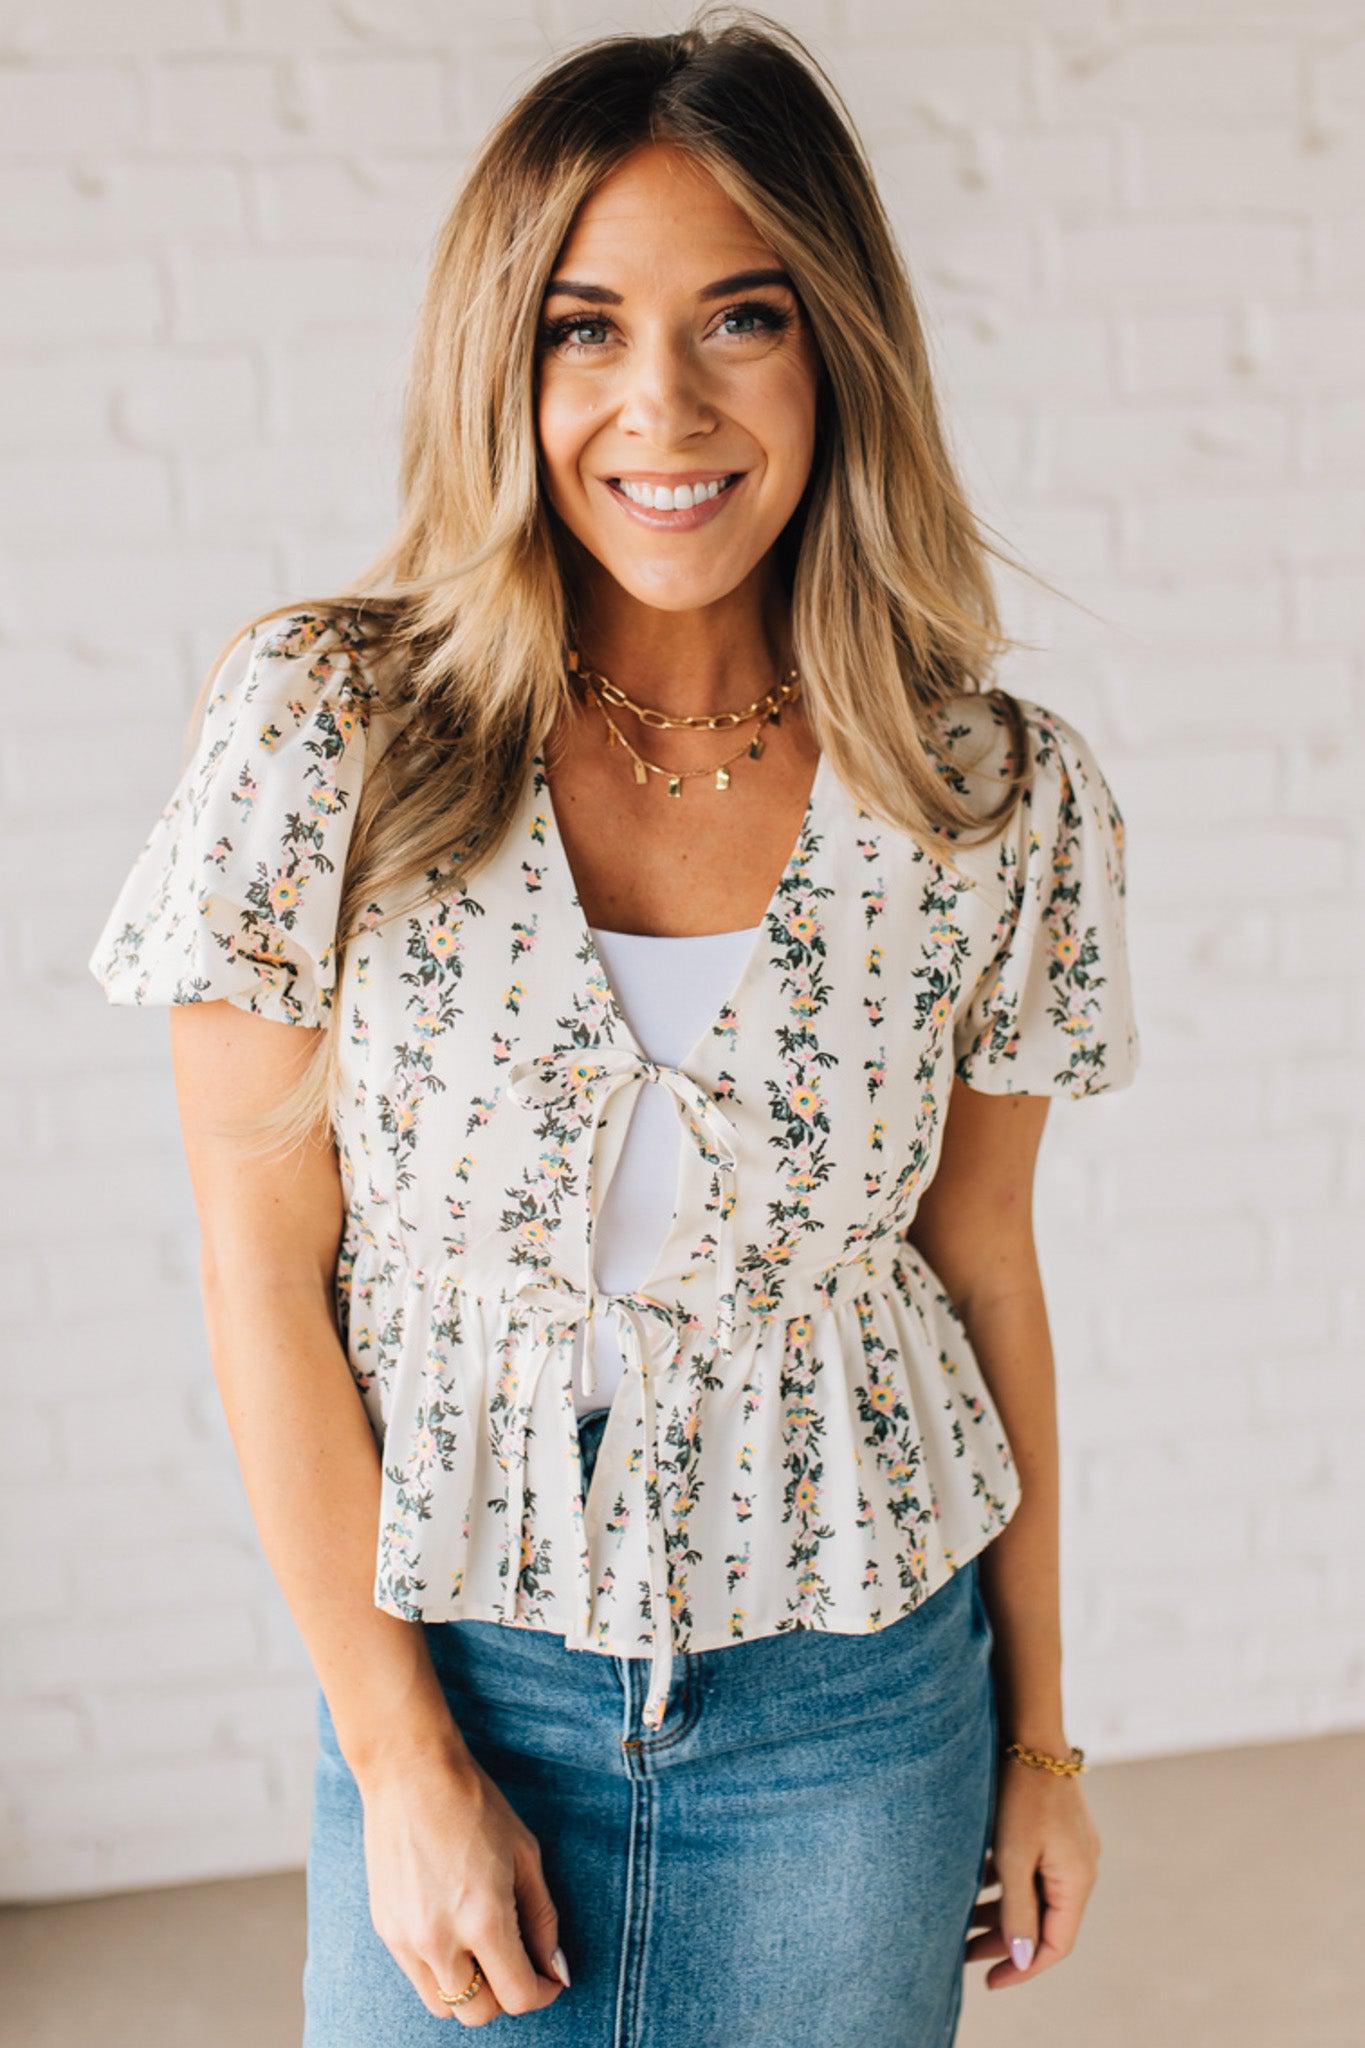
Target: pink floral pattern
[{"x": 804, "y": 1437}]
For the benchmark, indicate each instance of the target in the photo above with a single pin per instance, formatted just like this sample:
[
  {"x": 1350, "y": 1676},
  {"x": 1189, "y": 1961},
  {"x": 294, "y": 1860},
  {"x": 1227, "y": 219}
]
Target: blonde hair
[{"x": 465, "y": 615}]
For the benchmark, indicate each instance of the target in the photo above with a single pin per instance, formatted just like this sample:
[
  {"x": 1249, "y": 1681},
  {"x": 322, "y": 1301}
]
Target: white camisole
[{"x": 667, "y": 988}]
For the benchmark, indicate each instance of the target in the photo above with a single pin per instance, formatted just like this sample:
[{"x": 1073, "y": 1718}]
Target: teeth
[{"x": 661, "y": 498}]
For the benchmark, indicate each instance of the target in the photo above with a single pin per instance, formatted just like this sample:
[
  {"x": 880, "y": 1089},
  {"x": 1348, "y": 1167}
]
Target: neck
[{"x": 686, "y": 664}]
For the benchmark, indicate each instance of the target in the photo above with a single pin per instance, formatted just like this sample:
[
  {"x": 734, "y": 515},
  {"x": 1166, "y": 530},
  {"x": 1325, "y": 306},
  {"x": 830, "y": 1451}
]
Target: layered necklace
[{"x": 766, "y": 710}]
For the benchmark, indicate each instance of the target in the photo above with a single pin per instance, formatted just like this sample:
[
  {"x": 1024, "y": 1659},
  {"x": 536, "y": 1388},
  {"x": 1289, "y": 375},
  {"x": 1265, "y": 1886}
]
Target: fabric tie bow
[
  {"x": 649, "y": 1334},
  {"x": 649, "y": 1329},
  {"x": 562, "y": 1080}
]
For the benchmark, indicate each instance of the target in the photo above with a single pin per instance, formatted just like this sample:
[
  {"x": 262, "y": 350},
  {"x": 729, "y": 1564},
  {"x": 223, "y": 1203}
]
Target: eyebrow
[{"x": 599, "y": 295}]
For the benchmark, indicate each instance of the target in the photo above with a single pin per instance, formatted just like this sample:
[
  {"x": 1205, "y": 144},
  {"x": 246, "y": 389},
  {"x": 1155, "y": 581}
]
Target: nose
[{"x": 664, "y": 390}]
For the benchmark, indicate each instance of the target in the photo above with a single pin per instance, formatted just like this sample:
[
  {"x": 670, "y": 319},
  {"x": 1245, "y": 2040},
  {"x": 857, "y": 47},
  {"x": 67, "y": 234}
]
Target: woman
[{"x": 770, "y": 1435}]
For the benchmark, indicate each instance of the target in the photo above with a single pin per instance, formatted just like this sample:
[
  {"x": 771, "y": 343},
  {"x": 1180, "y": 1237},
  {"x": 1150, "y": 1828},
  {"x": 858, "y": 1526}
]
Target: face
[{"x": 662, "y": 364}]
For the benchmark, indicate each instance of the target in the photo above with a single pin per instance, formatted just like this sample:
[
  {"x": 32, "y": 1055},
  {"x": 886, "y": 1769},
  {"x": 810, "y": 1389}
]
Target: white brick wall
[{"x": 1136, "y": 228}]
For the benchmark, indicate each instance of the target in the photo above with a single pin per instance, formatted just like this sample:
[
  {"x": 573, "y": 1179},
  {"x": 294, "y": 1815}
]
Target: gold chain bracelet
[{"x": 1060, "y": 1766}]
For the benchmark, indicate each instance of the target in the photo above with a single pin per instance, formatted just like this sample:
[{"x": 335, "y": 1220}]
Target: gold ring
[{"x": 461, "y": 1997}]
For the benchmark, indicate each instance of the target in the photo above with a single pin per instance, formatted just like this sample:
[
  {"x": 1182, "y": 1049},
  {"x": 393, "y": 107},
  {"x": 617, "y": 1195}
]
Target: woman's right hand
[{"x": 455, "y": 1873}]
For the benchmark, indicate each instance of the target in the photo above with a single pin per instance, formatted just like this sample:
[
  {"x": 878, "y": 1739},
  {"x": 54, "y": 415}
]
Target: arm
[
  {"x": 975, "y": 1228},
  {"x": 449, "y": 1861},
  {"x": 269, "y": 1235}
]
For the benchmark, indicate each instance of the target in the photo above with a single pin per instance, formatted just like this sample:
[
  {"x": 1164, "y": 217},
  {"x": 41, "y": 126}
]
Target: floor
[{"x": 1229, "y": 1885}]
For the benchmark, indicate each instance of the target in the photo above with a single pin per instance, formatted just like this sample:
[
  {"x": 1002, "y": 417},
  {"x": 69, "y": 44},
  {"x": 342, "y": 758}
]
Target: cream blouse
[{"x": 804, "y": 1437}]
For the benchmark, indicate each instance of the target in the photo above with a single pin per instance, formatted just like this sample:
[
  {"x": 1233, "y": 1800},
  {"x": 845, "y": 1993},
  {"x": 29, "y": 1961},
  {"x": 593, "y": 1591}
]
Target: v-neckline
[{"x": 587, "y": 948}]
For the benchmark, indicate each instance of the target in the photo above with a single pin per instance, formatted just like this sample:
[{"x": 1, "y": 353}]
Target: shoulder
[
  {"x": 289, "y": 703},
  {"x": 237, "y": 888},
  {"x": 982, "y": 734},
  {"x": 978, "y": 731},
  {"x": 299, "y": 659}
]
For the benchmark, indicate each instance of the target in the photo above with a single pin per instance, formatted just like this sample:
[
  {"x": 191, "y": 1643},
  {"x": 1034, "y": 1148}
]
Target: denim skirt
[{"x": 793, "y": 1858}]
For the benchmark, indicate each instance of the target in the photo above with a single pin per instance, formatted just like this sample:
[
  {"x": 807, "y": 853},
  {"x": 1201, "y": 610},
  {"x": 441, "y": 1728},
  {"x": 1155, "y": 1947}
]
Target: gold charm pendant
[{"x": 766, "y": 709}]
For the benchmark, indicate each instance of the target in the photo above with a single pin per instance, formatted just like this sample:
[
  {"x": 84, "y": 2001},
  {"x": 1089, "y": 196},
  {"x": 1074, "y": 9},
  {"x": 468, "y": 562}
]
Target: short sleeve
[
  {"x": 236, "y": 891},
  {"x": 1052, "y": 1011}
]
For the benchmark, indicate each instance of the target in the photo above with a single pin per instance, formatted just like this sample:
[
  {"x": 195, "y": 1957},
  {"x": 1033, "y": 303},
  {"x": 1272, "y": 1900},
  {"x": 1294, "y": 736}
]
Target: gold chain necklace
[{"x": 767, "y": 709}]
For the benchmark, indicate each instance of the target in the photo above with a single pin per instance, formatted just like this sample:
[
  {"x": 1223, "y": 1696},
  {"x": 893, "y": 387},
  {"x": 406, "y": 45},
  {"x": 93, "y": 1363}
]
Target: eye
[
  {"x": 555, "y": 334},
  {"x": 771, "y": 319}
]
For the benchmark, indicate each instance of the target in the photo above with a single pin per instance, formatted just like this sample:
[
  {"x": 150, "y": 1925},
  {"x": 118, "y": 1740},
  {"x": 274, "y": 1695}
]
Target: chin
[{"x": 676, "y": 593}]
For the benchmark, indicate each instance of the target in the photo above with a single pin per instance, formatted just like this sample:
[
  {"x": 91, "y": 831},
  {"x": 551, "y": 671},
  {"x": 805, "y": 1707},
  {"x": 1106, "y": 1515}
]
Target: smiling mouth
[{"x": 641, "y": 495}]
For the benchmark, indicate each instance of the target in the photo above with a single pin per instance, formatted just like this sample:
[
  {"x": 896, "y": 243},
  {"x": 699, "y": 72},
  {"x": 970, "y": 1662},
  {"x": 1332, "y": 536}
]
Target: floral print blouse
[{"x": 803, "y": 1437}]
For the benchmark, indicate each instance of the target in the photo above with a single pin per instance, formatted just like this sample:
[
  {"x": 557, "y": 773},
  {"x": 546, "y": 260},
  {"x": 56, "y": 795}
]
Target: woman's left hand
[{"x": 1045, "y": 1857}]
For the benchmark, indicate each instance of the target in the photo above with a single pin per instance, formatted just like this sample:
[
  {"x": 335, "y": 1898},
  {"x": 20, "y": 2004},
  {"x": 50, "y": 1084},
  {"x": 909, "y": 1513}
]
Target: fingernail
[
  {"x": 1021, "y": 1949},
  {"x": 559, "y": 1965}
]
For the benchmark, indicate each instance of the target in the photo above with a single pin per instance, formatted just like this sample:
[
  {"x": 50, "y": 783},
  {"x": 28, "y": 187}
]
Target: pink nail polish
[
  {"x": 1021, "y": 1950},
  {"x": 559, "y": 1965}
]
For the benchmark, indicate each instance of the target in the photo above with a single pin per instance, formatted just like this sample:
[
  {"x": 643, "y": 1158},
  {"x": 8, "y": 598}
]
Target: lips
[{"x": 685, "y": 518}]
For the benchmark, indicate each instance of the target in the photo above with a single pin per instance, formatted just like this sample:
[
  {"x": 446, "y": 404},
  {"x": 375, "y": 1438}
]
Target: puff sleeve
[
  {"x": 235, "y": 892},
  {"x": 1052, "y": 1011}
]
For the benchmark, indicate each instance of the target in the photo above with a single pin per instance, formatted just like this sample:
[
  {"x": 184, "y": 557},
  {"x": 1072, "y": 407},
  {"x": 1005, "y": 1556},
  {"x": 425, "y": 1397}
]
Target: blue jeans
[{"x": 790, "y": 1861}]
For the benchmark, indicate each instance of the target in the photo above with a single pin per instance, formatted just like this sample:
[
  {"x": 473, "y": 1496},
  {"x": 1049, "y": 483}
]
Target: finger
[
  {"x": 1061, "y": 1924},
  {"x": 453, "y": 1974},
  {"x": 984, "y": 1937},
  {"x": 985, "y": 1919},
  {"x": 1018, "y": 1917},
  {"x": 983, "y": 1945},
  {"x": 538, "y": 1916},
  {"x": 985, "y": 1913},
  {"x": 513, "y": 1976}
]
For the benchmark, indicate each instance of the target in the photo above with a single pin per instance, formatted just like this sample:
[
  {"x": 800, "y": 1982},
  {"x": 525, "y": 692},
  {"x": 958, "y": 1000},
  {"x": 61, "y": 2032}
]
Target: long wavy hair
[{"x": 464, "y": 618}]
